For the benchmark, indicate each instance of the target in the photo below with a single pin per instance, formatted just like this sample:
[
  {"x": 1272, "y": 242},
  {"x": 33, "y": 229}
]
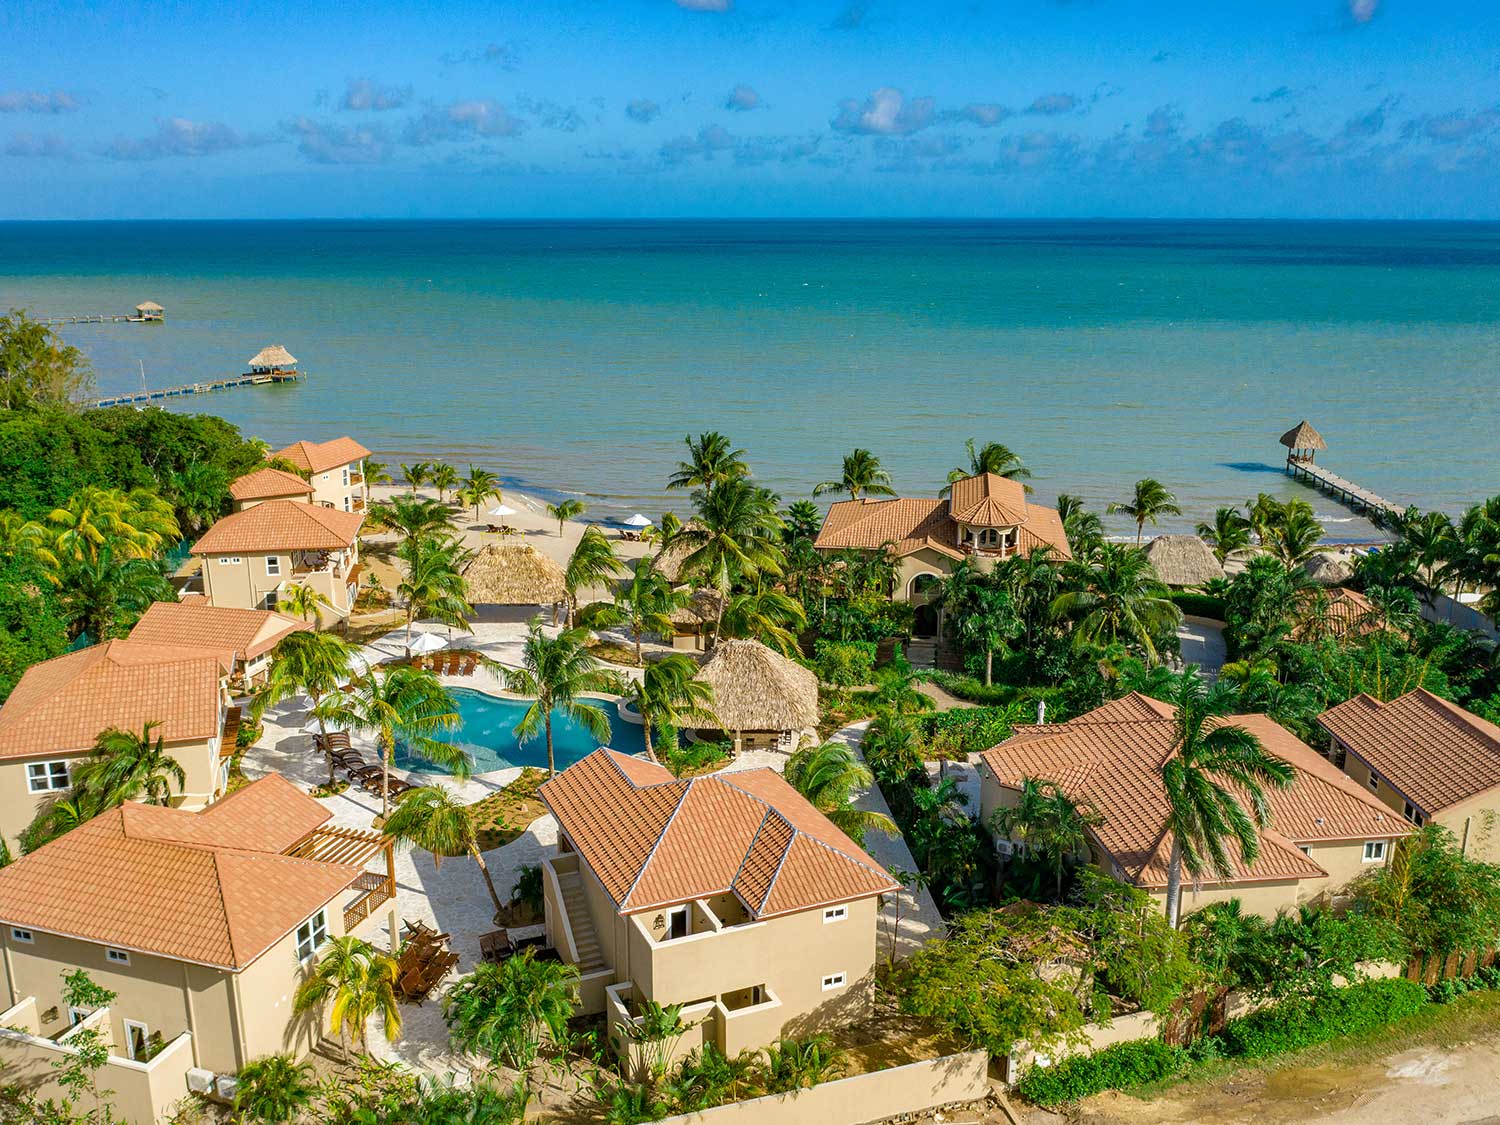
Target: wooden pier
[
  {"x": 250, "y": 379},
  {"x": 147, "y": 312},
  {"x": 1303, "y": 442}
]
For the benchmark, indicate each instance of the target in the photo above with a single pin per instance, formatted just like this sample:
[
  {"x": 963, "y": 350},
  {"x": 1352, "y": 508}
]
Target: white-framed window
[
  {"x": 1374, "y": 780},
  {"x": 25, "y": 937},
  {"x": 348, "y": 502},
  {"x": 1413, "y": 814},
  {"x": 273, "y": 565},
  {"x": 1374, "y": 851},
  {"x": 271, "y": 601},
  {"x": 230, "y": 560},
  {"x": 835, "y": 914},
  {"x": 117, "y": 956},
  {"x": 833, "y": 980},
  {"x": 310, "y": 935},
  {"x": 1304, "y": 849},
  {"x": 989, "y": 537},
  {"x": 45, "y": 777},
  {"x": 137, "y": 1039},
  {"x": 346, "y": 476}
]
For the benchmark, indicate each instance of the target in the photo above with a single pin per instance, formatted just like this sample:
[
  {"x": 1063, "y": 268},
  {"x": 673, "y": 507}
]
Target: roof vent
[
  {"x": 1041, "y": 712},
  {"x": 1318, "y": 820}
]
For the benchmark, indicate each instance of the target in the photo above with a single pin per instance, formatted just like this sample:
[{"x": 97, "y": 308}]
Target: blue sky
[{"x": 1315, "y": 108}]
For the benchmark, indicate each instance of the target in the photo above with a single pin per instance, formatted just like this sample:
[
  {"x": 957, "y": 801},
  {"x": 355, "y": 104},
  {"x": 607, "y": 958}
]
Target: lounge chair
[{"x": 412, "y": 986}]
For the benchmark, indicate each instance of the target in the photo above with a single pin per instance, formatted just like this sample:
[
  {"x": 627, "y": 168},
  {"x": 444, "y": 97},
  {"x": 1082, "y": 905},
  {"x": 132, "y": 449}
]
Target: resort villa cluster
[{"x": 725, "y": 890}]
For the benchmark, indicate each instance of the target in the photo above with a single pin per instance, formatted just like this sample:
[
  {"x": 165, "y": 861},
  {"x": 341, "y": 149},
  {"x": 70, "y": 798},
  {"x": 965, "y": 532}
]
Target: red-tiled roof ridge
[
  {"x": 315, "y": 456},
  {"x": 267, "y": 482},
  {"x": 280, "y": 525}
]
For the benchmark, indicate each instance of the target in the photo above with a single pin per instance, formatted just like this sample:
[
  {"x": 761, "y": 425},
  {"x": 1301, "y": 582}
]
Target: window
[
  {"x": 138, "y": 1040},
  {"x": 310, "y": 935},
  {"x": 25, "y": 937},
  {"x": 117, "y": 957},
  {"x": 44, "y": 777},
  {"x": 677, "y": 923},
  {"x": 1374, "y": 780},
  {"x": 989, "y": 537},
  {"x": 1304, "y": 849},
  {"x": 832, "y": 981},
  {"x": 1374, "y": 851},
  {"x": 835, "y": 914},
  {"x": 1413, "y": 814},
  {"x": 346, "y": 476},
  {"x": 273, "y": 565},
  {"x": 229, "y": 560},
  {"x": 271, "y": 601}
]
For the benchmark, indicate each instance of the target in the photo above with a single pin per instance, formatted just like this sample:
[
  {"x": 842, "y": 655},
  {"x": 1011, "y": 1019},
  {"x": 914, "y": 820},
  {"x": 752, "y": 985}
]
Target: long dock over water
[
  {"x": 100, "y": 318},
  {"x": 1302, "y": 442},
  {"x": 253, "y": 379}
]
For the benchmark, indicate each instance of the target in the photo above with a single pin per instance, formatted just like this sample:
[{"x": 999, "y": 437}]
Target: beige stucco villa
[
  {"x": 985, "y": 518},
  {"x": 727, "y": 893},
  {"x": 1426, "y": 758},
  {"x": 333, "y": 469},
  {"x": 243, "y": 638},
  {"x": 62, "y": 705},
  {"x": 1324, "y": 829},
  {"x": 251, "y": 556},
  {"x": 202, "y": 924}
]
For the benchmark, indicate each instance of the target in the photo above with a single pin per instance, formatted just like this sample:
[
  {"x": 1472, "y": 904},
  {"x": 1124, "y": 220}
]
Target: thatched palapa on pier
[
  {"x": 1183, "y": 560},
  {"x": 1303, "y": 436},
  {"x": 514, "y": 574},
  {"x": 756, "y": 689},
  {"x": 273, "y": 358}
]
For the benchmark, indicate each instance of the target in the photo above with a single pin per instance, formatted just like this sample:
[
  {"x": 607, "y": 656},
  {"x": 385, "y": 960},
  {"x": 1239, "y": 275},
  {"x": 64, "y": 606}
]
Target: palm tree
[
  {"x": 302, "y": 601},
  {"x": 443, "y": 477},
  {"x": 1228, "y": 535},
  {"x": 199, "y": 491},
  {"x": 359, "y": 981},
  {"x": 433, "y": 585},
  {"x": 375, "y": 472},
  {"x": 433, "y": 819},
  {"x": 768, "y": 616},
  {"x": 802, "y": 520},
  {"x": 862, "y": 474},
  {"x": 593, "y": 563},
  {"x": 992, "y": 457},
  {"x": 103, "y": 592},
  {"x": 735, "y": 538},
  {"x": 643, "y": 604},
  {"x": 123, "y": 766},
  {"x": 408, "y": 516},
  {"x": 481, "y": 484},
  {"x": 503, "y": 1011},
  {"x": 1431, "y": 541},
  {"x": 1119, "y": 599},
  {"x": 667, "y": 694},
  {"x": 712, "y": 461},
  {"x": 61, "y": 814},
  {"x": 1295, "y": 539},
  {"x": 1150, "y": 502},
  {"x": 304, "y": 663},
  {"x": 1048, "y": 823},
  {"x": 557, "y": 672},
  {"x": 980, "y": 612},
  {"x": 136, "y": 524},
  {"x": 273, "y": 1089},
  {"x": 405, "y": 704},
  {"x": 1212, "y": 768},
  {"x": 416, "y": 474},
  {"x": 829, "y": 776},
  {"x": 564, "y": 511}
]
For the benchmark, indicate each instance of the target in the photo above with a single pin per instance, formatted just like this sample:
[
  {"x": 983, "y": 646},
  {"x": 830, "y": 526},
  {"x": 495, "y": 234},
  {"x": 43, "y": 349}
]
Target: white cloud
[
  {"x": 364, "y": 94},
  {"x": 178, "y": 136},
  {"x": 34, "y": 101},
  {"x": 704, "y": 5},
  {"x": 884, "y": 113},
  {"x": 742, "y": 98}
]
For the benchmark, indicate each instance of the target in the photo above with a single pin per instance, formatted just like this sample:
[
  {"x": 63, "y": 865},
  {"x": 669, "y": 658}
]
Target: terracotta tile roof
[
  {"x": 315, "y": 456},
  {"x": 1433, "y": 752},
  {"x": 911, "y": 525},
  {"x": 281, "y": 525},
  {"x": 654, "y": 841},
  {"x": 267, "y": 484},
  {"x": 1112, "y": 758},
  {"x": 210, "y": 887},
  {"x": 64, "y": 703},
  {"x": 233, "y": 633}
]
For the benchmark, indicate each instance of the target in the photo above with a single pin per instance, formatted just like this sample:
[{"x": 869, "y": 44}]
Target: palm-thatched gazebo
[
  {"x": 762, "y": 699},
  {"x": 514, "y": 574},
  {"x": 273, "y": 362},
  {"x": 150, "y": 312},
  {"x": 1303, "y": 442},
  {"x": 692, "y": 623},
  {"x": 1183, "y": 561},
  {"x": 1327, "y": 570}
]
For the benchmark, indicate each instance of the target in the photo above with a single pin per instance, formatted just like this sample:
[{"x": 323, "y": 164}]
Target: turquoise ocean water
[{"x": 574, "y": 356}]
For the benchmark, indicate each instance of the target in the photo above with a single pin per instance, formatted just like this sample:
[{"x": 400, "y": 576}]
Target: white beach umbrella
[
  {"x": 502, "y": 510},
  {"x": 638, "y": 520},
  {"x": 426, "y": 642}
]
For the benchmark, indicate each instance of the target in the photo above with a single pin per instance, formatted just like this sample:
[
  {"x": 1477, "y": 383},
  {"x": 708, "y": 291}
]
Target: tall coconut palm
[
  {"x": 433, "y": 585},
  {"x": 199, "y": 491},
  {"x": 735, "y": 538},
  {"x": 103, "y": 592},
  {"x": 375, "y": 472},
  {"x": 1431, "y": 541},
  {"x": 1150, "y": 502},
  {"x": 593, "y": 563},
  {"x": 862, "y": 474},
  {"x": 433, "y": 819},
  {"x": 566, "y": 510},
  {"x": 992, "y": 457},
  {"x": 403, "y": 704},
  {"x": 408, "y": 516},
  {"x": 1228, "y": 535},
  {"x": 829, "y": 776},
  {"x": 558, "y": 672},
  {"x": 1215, "y": 768},
  {"x": 667, "y": 694},
  {"x": 481, "y": 485},
  {"x": 643, "y": 604},
  {"x": 1049, "y": 824},
  {"x": 301, "y": 600},
  {"x": 765, "y": 615},
  {"x": 802, "y": 520},
  {"x": 1294, "y": 540},
  {"x": 981, "y": 612},
  {"x": 712, "y": 461},
  {"x": 304, "y": 663},
  {"x": 356, "y": 981},
  {"x": 1118, "y": 598},
  {"x": 444, "y": 478},
  {"x": 135, "y": 524},
  {"x": 416, "y": 475},
  {"x": 124, "y": 765}
]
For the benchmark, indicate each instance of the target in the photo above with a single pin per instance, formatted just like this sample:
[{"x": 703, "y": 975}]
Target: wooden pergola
[{"x": 353, "y": 848}]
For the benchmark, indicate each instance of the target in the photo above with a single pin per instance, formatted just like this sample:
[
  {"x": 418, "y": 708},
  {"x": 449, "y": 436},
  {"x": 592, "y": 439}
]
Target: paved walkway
[{"x": 1202, "y": 642}]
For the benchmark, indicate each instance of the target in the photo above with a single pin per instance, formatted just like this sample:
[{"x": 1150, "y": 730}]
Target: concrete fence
[{"x": 869, "y": 1097}]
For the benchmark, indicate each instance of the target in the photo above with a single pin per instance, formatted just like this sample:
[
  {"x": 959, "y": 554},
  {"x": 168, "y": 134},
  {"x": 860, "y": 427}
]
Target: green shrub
[
  {"x": 1303, "y": 1023},
  {"x": 1199, "y": 605},
  {"x": 844, "y": 663},
  {"x": 1114, "y": 1068},
  {"x": 693, "y": 757},
  {"x": 971, "y": 729}
]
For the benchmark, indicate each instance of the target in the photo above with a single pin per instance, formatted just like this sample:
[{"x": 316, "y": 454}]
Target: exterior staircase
[
  {"x": 590, "y": 959},
  {"x": 921, "y": 654}
]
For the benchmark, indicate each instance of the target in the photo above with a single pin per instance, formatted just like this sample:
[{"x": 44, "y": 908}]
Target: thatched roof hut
[
  {"x": 273, "y": 358},
  {"x": 1328, "y": 570},
  {"x": 514, "y": 574},
  {"x": 756, "y": 689},
  {"x": 150, "y": 310},
  {"x": 1183, "y": 560},
  {"x": 1303, "y": 436},
  {"x": 702, "y": 609}
]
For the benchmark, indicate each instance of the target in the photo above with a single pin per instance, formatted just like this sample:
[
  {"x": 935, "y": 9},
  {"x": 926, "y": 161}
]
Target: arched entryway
[{"x": 919, "y": 593}]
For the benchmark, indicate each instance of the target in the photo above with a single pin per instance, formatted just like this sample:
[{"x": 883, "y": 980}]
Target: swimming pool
[{"x": 487, "y": 733}]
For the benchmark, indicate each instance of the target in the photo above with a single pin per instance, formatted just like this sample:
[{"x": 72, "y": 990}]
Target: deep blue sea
[{"x": 575, "y": 356}]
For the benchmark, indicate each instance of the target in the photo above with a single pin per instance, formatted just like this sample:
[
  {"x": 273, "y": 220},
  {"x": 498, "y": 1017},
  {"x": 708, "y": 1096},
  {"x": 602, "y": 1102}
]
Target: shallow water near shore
[{"x": 574, "y": 356}]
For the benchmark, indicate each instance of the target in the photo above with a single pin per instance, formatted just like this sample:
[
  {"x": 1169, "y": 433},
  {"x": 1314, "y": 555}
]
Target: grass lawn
[{"x": 501, "y": 817}]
